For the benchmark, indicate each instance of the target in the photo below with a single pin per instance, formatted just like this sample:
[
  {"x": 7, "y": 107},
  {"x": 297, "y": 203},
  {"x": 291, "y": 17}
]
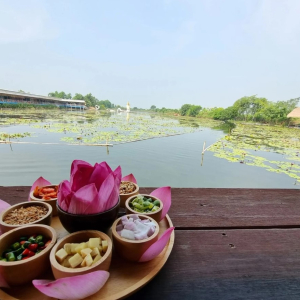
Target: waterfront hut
[
  {"x": 295, "y": 114},
  {"x": 11, "y": 97}
]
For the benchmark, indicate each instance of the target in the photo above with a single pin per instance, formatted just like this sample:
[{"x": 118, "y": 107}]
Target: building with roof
[
  {"x": 11, "y": 97},
  {"x": 295, "y": 113}
]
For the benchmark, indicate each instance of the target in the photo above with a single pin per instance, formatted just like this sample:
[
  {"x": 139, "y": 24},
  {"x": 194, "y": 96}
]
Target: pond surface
[{"x": 158, "y": 151}]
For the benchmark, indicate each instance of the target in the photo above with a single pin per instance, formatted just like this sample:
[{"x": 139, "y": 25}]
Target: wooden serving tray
[{"x": 125, "y": 277}]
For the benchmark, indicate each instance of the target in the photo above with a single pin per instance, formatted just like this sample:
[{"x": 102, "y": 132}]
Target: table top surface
[{"x": 229, "y": 244}]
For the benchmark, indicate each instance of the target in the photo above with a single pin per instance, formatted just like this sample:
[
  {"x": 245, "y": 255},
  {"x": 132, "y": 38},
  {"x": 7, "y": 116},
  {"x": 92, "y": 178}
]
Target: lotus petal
[
  {"x": 105, "y": 192},
  {"x": 64, "y": 195},
  {"x": 73, "y": 288},
  {"x": 115, "y": 197},
  {"x": 39, "y": 182},
  {"x": 75, "y": 165},
  {"x": 130, "y": 178},
  {"x": 156, "y": 248},
  {"x": 81, "y": 176},
  {"x": 100, "y": 172},
  {"x": 163, "y": 194},
  {"x": 3, "y": 205},
  {"x": 85, "y": 201},
  {"x": 109, "y": 190}
]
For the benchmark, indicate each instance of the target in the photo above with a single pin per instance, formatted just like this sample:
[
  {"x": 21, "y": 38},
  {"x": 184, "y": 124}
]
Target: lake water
[{"x": 173, "y": 160}]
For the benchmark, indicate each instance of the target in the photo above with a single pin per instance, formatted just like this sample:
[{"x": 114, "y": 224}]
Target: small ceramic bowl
[
  {"x": 124, "y": 197},
  {"x": 52, "y": 202},
  {"x": 19, "y": 272},
  {"x": 46, "y": 220},
  {"x": 155, "y": 215},
  {"x": 60, "y": 271},
  {"x": 101, "y": 221},
  {"x": 133, "y": 249}
]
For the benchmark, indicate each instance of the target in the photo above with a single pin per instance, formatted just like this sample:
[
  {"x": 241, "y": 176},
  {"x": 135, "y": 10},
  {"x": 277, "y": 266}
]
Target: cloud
[{"x": 23, "y": 21}]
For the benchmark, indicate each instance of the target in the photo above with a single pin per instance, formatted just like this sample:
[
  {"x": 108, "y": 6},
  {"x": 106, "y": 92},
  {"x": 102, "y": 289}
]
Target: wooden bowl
[
  {"x": 133, "y": 249},
  {"x": 52, "y": 202},
  {"x": 79, "y": 237},
  {"x": 20, "y": 272},
  {"x": 101, "y": 221},
  {"x": 155, "y": 215},
  {"x": 124, "y": 197},
  {"x": 46, "y": 220}
]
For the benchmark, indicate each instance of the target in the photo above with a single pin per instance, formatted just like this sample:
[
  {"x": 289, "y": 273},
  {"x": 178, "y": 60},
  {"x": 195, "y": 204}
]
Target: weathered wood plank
[
  {"x": 217, "y": 208},
  {"x": 229, "y": 265}
]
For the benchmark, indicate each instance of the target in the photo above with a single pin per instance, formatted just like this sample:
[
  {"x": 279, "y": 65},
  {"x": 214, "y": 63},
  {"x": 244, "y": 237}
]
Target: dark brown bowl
[{"x": 101, "y": 221}]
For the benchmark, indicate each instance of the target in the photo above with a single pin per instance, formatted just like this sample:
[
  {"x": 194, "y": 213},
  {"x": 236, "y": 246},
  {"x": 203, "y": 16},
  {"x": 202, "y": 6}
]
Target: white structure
[{"x": 128, "y": 107}]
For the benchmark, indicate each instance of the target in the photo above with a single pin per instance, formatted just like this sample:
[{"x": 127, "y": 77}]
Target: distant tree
[
  {"x": 61, "y": 95},
  {"x": 90, "y": 100},
  {"x": 194, "y": 110},
  {"x": 78, "y": 97},
  {"x": 21, "y": 91},
  {"x": 106, "y": 103},
  {"x": 153, "y": 107},
  {"x": 229, "y": 113},
  {"x": 184, "y": 109}
]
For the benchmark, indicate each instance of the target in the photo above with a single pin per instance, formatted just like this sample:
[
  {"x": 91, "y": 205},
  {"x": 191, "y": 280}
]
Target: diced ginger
[
  {"x": 94, "y": 242},
  {"x": 68, "y": 248},
  {"x": 95, "y": 252},
  {"x": 100, "y": 249},
  {"x": 73, "y": 247},
  {"x": 104, "y": 245},
  {"x": 61, "y": 255},
  {"x": 85, "y": 252},
  {"x": 88, "y": 260},
  {"x": 80, "y": 247},
  {"x": 75, "y": 260},
  {"x": 97, "y": 258},
  {"x": 66, "y": 262}
]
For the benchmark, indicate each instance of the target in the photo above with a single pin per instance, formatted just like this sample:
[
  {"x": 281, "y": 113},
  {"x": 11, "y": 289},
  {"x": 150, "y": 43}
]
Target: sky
[{"x": 159, "y": 52}]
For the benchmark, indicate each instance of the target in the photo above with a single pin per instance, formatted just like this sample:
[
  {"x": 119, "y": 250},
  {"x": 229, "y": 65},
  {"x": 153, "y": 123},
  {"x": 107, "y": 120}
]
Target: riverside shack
[{"x": 11, "y": 97}]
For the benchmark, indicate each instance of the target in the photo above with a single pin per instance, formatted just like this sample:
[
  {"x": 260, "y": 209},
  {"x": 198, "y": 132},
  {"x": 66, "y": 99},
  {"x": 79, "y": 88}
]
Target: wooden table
[{"x": 229, "y": 244}]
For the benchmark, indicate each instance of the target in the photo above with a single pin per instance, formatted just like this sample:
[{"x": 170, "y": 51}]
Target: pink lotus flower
[{"x": 91, "y": 189}]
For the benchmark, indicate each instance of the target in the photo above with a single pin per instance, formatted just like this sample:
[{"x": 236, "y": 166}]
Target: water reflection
[{"x": 226, "y": 127}]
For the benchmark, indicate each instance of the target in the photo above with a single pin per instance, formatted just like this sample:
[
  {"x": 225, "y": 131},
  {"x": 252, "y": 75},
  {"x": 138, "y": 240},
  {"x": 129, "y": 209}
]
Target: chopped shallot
[{"x": 133, "y": 228}]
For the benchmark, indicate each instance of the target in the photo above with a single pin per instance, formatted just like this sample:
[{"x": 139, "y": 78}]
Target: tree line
[
  {"x": 90, "y": 100},
  {"x": 248, "y": 108}
]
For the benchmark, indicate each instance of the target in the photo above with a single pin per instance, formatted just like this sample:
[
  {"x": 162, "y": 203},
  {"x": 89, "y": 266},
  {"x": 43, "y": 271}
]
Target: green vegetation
[
  {"x": 245, "y": 109},
  {"x": 90, "y": 100},
  {"x": 8, "y": 136},
  {"x": 248, "y": 144},
  {"x": 26, "y": 106}
]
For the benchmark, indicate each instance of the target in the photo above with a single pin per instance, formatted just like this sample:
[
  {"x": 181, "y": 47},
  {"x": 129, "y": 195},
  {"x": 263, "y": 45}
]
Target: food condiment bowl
[
  {"x": 133, "y": 249},
  {"x": 124, "y": 197},
  {"x": 100, "y": 221},
  {"x": 19, "y": 272},
  {"x": 155, "y": 215},
  {"x": 60, "y": 271},
  {"x": 46, "y": 219},
  {"x": 52, "y": 202}
]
